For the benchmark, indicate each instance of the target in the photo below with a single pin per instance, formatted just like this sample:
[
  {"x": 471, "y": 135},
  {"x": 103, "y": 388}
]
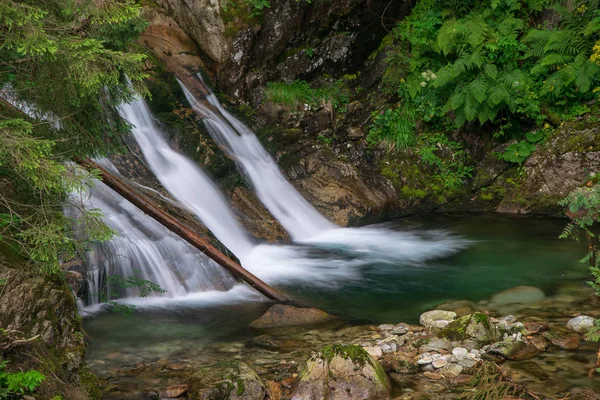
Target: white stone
[
  {"x": 451, "y": 370},
  {"x": 374, "y": 351},
  {"x": 581, "y": 324},
  {"x": 460, "y": 352},
  {"x": 424, "y": 361},
  {"x": 439, "y": 363}
]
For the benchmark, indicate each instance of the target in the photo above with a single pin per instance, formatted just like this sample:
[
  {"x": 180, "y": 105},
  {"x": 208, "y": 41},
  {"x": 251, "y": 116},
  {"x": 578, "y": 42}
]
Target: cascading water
[
  {"x": 144, "y": 248},
  {"x": 184, "y": 180},
  {"x": 328, "y": 256},
  {"x": 296, "y": 214},
  {"x": 302, "y": 221}
]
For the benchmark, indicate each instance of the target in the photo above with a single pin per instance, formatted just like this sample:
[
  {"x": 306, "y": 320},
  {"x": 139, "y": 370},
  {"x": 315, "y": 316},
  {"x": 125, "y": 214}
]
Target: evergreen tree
[{"x": 62, "y": 68}]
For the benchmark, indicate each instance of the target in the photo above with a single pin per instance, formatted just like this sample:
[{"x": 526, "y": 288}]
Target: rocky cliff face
[
  {"x": 565, "y": 161},
  {"x": 245, "y": 47},
  {"x": 322, "y": 149},
  {"x": 42, "y": 331}
]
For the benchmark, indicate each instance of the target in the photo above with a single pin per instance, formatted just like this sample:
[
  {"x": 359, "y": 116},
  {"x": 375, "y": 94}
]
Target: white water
[
  {"x": 145, "y": 248},
  {"x": 185, "y": 180},
  {"x": 295, "y": 214},
  {"x": 298, "y": 217}
]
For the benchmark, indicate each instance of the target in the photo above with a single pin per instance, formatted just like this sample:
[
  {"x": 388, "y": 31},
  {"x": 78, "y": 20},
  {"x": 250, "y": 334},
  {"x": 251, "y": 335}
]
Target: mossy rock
[
  {"x": 227, "y": 380},
  {"x": 342, "y": 372},
  {"x": 476, "y": 327}
]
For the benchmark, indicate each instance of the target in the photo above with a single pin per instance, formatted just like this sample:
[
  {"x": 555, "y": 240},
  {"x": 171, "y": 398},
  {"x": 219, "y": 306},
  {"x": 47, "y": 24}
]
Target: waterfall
[
  {"x": 296, "y": 215},
  {"x": 302, "y": 221},
  {"x": 144, "y": 248},
  {"x": 184, "y": 180}
]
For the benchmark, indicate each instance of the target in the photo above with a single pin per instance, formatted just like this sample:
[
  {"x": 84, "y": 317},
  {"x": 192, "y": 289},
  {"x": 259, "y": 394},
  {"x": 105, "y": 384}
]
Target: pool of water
[{"x": 497, "y": 253}]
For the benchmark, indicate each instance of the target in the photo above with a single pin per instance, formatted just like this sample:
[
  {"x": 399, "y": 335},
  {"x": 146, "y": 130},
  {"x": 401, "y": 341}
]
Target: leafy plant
[
  {"x": 583, "y": 208},
  {"x": 395, "y": 126},
  {"x": 13, "y": 385},
  {"x": 519, "y": 152},
  {"x": 493, "y": 62},
  {"x": 300, "y": 94}
]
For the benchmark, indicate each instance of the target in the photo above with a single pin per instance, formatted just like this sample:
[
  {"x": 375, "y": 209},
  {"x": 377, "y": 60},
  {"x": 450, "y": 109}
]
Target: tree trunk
[{"x": 184, "y": 232}]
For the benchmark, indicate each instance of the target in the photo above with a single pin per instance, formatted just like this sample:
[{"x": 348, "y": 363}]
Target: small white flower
[{"x": 423, "y": 84}]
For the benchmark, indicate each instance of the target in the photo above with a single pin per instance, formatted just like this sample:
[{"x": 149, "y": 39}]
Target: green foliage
[
  {"x": 451, "y": 173},
  {"x": 63, "y": 67},
  {"x": 492, "y": 62},
  {"x": 396, "y": 126},
  {"x": 13, "y": 385},
  {"x": 583, "y": 207},
  {"x": 113, "y": 283},
  {"x": 299, "y": 93}
]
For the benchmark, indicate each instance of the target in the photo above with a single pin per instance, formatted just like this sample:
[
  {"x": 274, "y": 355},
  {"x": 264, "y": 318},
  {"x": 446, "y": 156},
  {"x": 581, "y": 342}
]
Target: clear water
[{"x": 502, "y": 253}]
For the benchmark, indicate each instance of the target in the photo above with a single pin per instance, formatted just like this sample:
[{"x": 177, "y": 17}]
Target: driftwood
[{"x": 184, "y": 232}]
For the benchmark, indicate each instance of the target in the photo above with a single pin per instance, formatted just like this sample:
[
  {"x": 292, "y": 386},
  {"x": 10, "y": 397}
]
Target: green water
[{"x": 504, "y": 252}]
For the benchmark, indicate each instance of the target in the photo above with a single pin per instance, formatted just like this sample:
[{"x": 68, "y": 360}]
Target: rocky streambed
[{"x": 517, "y": 344}]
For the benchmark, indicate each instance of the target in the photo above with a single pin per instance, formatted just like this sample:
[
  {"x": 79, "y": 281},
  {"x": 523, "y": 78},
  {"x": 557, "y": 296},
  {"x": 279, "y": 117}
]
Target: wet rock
[
  {"x": 467, "y": 363},
  {"x": 342, "y": 372},
  {"x": 436, "y": 319},
  {"x": 451, "y": 370},
  {"x": 513, "y": 350},
  {"x": 536, "y": 327},
  {"x": 439, "y": 363},
  {"x": 476, "y": 327},
  {"x": 432, "y": 375},
  {"x": 275, "y": 343},
  {"x": 231, "y": 380},
  {"x": 150, "y": 395},
  {"x": 563, "y": 338},
  {"x": 175, "y": 391},
  {"x": 281, "y": 315},
  {"x": 273, "y": 390},
  {"x": 539, "y": 342},
  {"x": 403, "y": 363},
  {"x": 439, "y": 345},
  {"x": 518, "y": 294},
  {"x": 460, "y": 352},
  {"x": 581, "y": 324},
  {"x": 374, "y": 351}
]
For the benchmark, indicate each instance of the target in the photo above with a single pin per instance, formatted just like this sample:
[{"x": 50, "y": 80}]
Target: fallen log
[{"x": 184, "y": 232}]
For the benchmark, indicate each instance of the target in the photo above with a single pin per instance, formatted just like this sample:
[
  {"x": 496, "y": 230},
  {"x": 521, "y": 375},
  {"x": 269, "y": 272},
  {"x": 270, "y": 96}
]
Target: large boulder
[
  {"x": 228, "y": 380},
  {"x": 563, "y": 338},
  {"x": 516, "y": 350},
  {"x": 581, "y": 324},
  {"x": 518, "y": 295},
  {"x": 476, "y": 327},
  {"x": 436, "y": 319},
  {"x": 279, "y": 316},
  {"x": 342, "y": 372}
]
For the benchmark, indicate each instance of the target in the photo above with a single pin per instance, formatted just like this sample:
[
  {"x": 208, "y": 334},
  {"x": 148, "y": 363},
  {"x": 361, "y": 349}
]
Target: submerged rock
[
  {"x": 436, "y": 319},
  {"x": 518, "y": 295},
  {"x": 515, "y": 350},
  {"x": 228, "y": 380},
  {"x": 476, "y": 327},
  {"x": 175, "y": 391},
  {"x": 581, "y": 324},
  {"x": 342, "y": 372},
  {"x": 280, "y": 315},
  {"x": 563, "y": 338}
]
